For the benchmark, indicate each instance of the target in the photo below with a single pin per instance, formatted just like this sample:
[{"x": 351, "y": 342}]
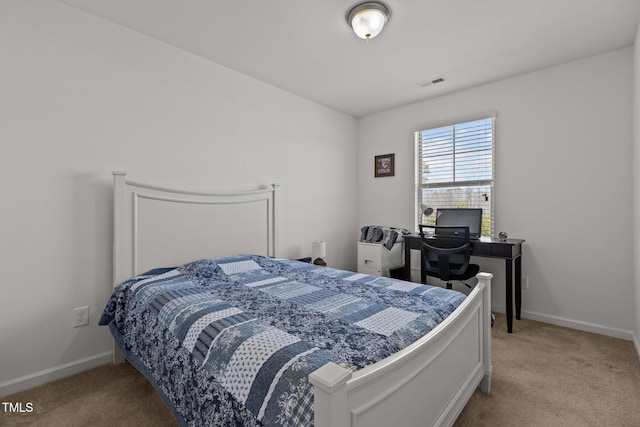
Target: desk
[{"x": 510, "y": 250}]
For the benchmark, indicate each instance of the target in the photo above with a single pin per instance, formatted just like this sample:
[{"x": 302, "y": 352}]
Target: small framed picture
[{"x": 384, "y": 165}]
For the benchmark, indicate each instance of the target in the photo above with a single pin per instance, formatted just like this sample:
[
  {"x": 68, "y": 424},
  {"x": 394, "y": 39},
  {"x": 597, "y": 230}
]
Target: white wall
[
  {"x": 636, "y": 186},
  {"x": 563, "y": 153},
  {"x": 80, "y": 97}
]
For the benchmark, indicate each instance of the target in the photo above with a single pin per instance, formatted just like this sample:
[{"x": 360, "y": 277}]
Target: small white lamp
[{"x": 319, "y": 252}]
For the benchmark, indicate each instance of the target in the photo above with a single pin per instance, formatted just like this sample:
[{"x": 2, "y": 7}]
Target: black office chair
[{"x": 446, "y": 253}]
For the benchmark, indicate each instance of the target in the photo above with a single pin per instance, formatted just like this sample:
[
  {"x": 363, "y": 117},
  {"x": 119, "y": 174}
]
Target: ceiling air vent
[{"x": 432, "y": 81}]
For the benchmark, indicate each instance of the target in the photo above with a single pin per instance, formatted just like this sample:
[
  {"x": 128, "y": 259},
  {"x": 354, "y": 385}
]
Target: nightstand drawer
[
  {"x": 368, "y": 270},
  {"x": 376, "y": 259},
  {"x": 369, "y": 256}
]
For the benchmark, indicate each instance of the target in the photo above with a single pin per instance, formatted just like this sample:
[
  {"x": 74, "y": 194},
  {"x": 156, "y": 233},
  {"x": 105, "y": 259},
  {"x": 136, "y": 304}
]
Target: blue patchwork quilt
[{"x": 231, "y": 341}]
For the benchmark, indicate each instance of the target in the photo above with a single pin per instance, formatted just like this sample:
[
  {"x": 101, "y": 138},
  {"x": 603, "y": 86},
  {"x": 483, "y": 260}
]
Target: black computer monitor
[{"x": 471, "y": 217}]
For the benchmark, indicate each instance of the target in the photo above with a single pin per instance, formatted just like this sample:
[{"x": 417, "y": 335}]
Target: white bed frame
[{"x": 427, "y": 383}]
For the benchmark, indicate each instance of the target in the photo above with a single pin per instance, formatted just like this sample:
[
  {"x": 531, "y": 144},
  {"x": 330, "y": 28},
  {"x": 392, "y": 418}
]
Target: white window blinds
[{"x": 455, "y": 169}]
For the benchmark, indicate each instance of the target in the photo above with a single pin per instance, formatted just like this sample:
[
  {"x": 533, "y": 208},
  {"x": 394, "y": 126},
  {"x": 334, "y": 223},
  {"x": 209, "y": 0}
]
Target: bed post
[
  {"x": 485, "y": 280},
  {"x": 118, "y": 227},
  {"x": 118, "y": 243},
  {"x": 330, "y": 395},
  {"x": 274, "y": 221}
]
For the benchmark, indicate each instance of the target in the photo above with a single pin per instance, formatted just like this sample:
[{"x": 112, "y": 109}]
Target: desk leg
[
  {"x": 509, "y": 289},
  {"x": 407, "y": 261},
  {"x": 518, "y": 286}
]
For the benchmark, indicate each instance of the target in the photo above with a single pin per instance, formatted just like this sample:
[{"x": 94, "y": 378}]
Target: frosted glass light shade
[{"x": 367, "y": 19}]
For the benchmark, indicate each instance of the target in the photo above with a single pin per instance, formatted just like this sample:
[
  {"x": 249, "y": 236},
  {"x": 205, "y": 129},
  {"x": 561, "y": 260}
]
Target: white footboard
[{"x": 427, "y": 383}]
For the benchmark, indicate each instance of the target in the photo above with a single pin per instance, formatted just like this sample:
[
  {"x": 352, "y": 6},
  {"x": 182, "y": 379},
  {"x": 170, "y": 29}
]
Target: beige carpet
[{"x": 543, "y": 376}]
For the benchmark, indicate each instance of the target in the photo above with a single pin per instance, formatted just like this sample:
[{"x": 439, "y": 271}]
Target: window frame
[{"x": 420, "y": 186}]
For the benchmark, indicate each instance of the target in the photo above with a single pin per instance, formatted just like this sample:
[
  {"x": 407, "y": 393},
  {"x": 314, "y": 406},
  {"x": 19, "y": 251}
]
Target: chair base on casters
[{"x": 450, "y": 285}]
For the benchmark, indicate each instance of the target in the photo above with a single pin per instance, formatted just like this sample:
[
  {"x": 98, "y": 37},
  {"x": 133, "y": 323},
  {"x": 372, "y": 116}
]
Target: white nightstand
[{"x": 375, "y": 259}]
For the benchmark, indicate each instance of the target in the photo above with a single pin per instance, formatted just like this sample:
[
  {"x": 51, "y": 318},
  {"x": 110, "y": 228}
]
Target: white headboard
[{"x": 157, "y": 227}]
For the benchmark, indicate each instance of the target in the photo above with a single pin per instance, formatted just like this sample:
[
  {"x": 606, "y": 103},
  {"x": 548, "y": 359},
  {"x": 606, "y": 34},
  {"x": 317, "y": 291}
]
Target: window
[{"x": 455, "y": 169}]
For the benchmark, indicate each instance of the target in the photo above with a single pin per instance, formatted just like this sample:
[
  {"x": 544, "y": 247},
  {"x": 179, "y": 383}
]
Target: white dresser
[{"x": 375, "y": 259}]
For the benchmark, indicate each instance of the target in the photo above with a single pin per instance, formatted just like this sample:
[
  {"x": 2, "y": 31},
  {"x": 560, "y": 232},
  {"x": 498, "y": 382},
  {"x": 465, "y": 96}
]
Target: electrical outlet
[
  {"x": 525, "y": 282},
  {"x": 80, "y": 316}
]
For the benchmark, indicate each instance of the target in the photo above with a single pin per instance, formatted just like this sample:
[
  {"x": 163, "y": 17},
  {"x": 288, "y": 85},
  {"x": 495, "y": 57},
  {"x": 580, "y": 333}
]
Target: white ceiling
[{"x": 306, "y": 46}]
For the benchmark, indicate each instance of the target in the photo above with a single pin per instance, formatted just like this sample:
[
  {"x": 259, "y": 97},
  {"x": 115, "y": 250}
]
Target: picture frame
[{"x": 384, "y": 165}]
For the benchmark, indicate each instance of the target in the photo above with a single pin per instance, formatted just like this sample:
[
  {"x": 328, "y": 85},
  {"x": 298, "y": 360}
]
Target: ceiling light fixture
[{"x": 367, "y": 19}]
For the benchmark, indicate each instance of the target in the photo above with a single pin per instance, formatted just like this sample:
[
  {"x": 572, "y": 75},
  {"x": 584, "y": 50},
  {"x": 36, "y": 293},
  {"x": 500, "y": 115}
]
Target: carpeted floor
[
  {"x": 105, "y": 396},
  {"x": 544, "y": 375}
]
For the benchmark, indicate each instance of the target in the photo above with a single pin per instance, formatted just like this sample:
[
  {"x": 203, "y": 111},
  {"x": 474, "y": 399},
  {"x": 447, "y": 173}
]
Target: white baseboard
[
  {"x": 559, "y": 321},
  {"x": 57, "y": 372},
  {"x": 575, "y": 324}
]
